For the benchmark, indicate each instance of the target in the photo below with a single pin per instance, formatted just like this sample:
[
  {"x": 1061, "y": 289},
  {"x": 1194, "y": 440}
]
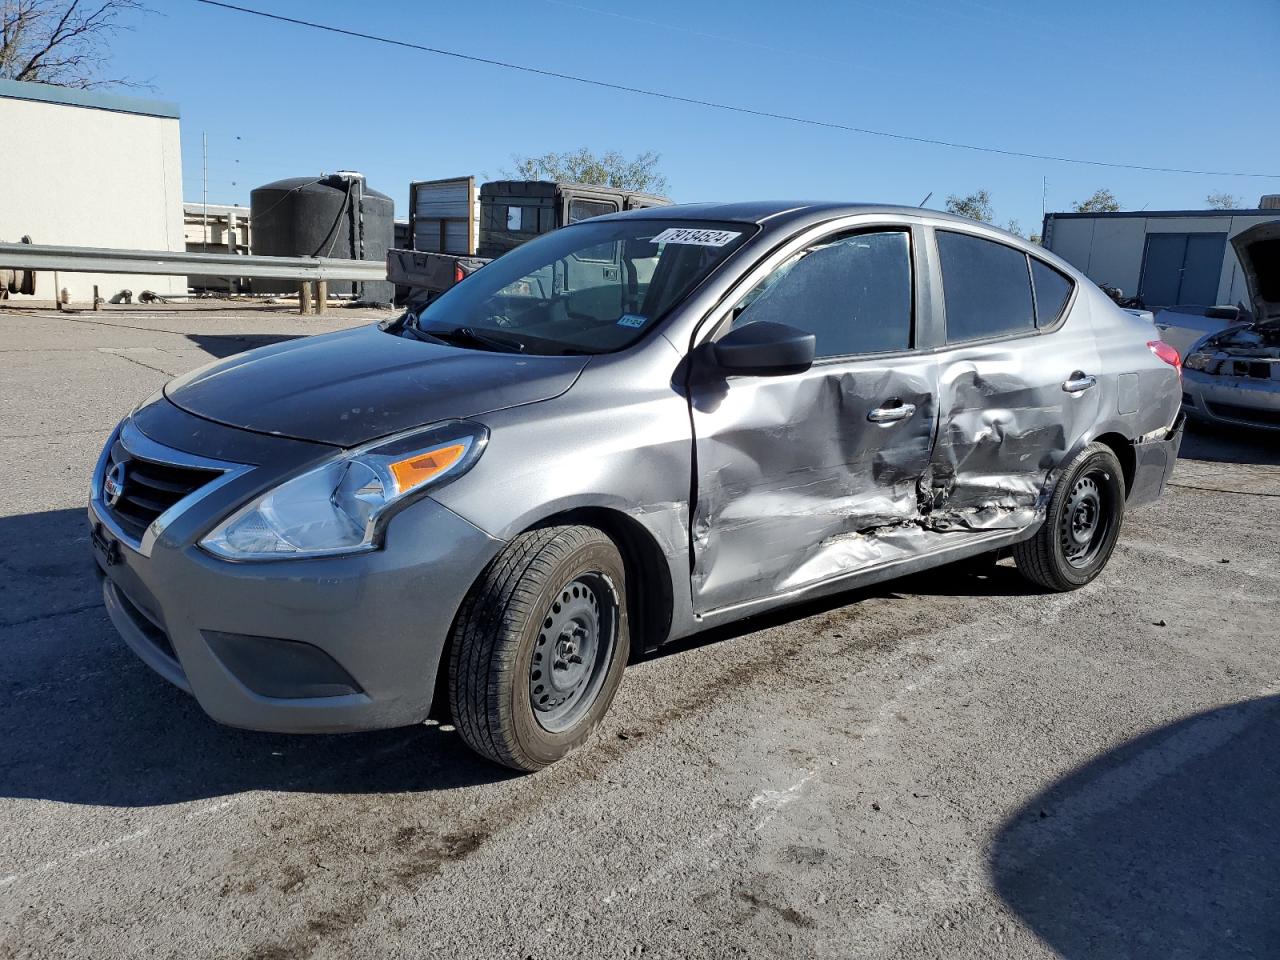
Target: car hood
[
  {"x": 357, "y": 385},
  {"x": 1258, "y": 250}
]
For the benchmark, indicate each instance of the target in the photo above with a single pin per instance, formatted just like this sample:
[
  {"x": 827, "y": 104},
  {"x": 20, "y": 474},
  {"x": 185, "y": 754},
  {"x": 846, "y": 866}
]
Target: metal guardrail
[{"x": 31, "y": 256}]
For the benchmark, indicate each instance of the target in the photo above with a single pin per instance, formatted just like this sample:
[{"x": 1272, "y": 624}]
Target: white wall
[
  {"x": 1109, "y": 249},
  {"x": 88, "y": 177}
]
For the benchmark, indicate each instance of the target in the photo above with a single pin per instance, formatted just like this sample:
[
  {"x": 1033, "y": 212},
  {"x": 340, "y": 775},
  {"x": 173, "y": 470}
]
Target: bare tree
[
  {"x": 975, "y": 206},
  {"x": 610, "y": 169},
  {"x": 1224, "y": 201},
  {"x": 1102, "y": 201},
  {"x": 66, "y": 43}
]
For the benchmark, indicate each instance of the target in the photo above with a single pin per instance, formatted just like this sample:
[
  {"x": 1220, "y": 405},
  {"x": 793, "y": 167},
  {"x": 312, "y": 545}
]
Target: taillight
[
  {"x": 1166, "y": 353},
  {"x": 458, "y": 274}
]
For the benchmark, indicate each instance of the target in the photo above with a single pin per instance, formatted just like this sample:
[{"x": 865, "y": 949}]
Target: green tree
[
  {"x": 66, "y": 43},
  {"x": 975, "y": 206},
  {"x": 1224, "y": 201},
  {"x": 609, "y": 169},
  {"x": 1102, "y": 201}
]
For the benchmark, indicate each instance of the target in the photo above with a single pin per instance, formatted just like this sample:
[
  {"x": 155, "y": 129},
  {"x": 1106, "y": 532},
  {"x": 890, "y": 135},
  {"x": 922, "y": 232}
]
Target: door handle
[
  {"x": 1078, "y": 382},
  {"x": 892, "y": 414}
]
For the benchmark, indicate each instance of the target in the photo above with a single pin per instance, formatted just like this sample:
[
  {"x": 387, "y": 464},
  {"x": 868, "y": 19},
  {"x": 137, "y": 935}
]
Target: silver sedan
[{"x": 619, "y": 434}]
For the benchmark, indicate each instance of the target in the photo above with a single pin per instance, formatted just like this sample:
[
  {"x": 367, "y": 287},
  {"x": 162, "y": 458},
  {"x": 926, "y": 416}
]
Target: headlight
[
  {"x": 1197, "y": 361},
  {"x": 343, "y": 505}
]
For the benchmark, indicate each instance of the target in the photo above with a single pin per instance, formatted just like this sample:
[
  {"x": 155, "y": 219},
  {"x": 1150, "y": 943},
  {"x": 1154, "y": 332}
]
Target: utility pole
[
  {"x": 204, "y": 156},
  {"x": 1044, "y": 189}
]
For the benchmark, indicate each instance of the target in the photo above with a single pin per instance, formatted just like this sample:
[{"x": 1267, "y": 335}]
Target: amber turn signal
[{"x": 418, "y": 469}]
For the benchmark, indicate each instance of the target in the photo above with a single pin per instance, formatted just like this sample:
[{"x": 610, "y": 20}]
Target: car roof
[{"x": 780, "y": 211}]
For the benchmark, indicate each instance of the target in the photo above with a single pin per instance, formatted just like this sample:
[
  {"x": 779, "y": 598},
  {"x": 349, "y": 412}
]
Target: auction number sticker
[{"x": 697, "y": 237}]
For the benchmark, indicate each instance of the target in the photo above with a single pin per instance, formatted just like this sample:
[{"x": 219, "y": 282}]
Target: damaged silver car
[
  {"x": 621, "y": 433},
  {"x": 1233, "y": 376}
]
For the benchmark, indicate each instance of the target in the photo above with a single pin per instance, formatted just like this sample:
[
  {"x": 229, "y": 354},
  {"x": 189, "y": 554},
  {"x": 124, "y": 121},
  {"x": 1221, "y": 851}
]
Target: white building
[
  {"x": 89, "y": 169},
  {"x": 1166, "y": 257}
]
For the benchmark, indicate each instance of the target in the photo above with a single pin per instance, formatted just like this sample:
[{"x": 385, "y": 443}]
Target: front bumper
[
  {"x": 324, "y": 645},
  {"x": 1238, "y": 401}
]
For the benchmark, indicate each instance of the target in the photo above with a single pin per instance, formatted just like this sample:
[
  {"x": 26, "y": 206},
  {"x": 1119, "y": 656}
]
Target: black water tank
[{"x": 330, "y": 216}]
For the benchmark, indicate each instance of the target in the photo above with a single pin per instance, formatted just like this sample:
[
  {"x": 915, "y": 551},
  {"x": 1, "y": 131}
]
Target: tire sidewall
[
  {"x": 538, "y": 745},
  {"x": 1113, "y": 475}
]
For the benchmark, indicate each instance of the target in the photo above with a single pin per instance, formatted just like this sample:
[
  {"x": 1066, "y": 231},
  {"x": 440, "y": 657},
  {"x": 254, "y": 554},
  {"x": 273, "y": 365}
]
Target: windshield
[{"x": 593, "y": 287}]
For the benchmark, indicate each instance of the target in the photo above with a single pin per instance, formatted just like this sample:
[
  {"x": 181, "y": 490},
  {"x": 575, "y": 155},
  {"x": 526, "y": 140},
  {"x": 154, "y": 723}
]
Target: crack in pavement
[{"x": 96, "y": 605}]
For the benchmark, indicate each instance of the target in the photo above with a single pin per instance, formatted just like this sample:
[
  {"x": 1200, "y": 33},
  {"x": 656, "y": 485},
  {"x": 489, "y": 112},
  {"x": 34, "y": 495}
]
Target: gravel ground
[{"x": 950, "y": 765}]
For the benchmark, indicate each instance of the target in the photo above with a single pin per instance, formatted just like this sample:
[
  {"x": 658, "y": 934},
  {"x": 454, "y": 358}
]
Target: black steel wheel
[
  {"x": 539, "y": 646},
  {"x": 575, "y": 647},
  {"x": 1081, "y": 525}
]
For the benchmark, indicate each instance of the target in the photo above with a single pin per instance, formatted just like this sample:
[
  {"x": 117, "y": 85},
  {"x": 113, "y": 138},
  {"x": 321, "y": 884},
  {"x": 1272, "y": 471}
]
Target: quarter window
[
  {"x": 986, "y": 288},
  {"x": 1052, "y": 290},
  {"x": 853, "y": 293}
]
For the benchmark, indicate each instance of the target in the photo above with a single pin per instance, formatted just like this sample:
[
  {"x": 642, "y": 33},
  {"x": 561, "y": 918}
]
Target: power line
[{"x": 749, "y": 111}]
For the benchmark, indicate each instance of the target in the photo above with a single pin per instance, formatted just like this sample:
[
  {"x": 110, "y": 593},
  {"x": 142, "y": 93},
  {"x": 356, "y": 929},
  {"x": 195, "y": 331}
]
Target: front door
[{"x": 806, "y": 477}]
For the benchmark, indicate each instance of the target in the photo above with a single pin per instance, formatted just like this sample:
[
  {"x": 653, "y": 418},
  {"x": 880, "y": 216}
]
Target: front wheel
[
  {"x": 1082, "y": 523},
  {"x": 539, "y": 646}
]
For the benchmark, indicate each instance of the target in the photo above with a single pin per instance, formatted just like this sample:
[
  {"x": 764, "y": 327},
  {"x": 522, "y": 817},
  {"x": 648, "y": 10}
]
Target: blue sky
[{"x": 1182, "y": 83}]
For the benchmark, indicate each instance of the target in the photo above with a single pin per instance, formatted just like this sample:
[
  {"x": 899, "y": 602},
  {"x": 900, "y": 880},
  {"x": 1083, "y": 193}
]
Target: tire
[
  {"x": 1088, "y": 501},
  {"x": 539, "y": 646}
]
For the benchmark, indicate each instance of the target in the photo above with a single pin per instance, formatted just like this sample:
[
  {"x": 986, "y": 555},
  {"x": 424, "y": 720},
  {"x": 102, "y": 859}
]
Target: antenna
[{"x": 926, "y": 199}]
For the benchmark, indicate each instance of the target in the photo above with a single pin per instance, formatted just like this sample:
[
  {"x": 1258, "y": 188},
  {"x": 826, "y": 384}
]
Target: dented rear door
[
  {"x": 1018, "y": 384},
  {"x": 806, "y": 477}
]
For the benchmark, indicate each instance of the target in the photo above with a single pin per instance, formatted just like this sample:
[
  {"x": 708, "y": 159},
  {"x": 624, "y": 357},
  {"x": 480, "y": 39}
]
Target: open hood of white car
[{"x": 1258, "y": 250}]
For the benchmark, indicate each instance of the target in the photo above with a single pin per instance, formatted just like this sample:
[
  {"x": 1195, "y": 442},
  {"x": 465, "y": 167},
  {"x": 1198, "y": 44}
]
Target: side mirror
[{"x": 765, "y": 349}]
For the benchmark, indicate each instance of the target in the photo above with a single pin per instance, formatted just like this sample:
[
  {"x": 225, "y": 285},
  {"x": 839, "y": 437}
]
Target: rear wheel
[
  {"x": 1081, "y": 526},
  {"x": 539, "y": 646}
]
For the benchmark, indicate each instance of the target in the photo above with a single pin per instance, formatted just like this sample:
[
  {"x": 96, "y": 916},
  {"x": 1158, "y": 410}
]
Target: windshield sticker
[
  {"x": 632, "y": 320},
  {"x": 693, "y": 235}
]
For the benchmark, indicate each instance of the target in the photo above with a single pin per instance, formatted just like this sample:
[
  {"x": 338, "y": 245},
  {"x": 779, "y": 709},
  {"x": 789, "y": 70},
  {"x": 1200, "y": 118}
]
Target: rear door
[
  {"x": 591, "y": 277},
  {"x": 797, "y": 476},
  {"x": 1017, "y": 382}
]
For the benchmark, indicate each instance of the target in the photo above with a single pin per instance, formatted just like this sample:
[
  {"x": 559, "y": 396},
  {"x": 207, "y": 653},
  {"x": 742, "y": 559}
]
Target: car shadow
[
  {"x": 222, "y": 345},
  {"x": 1225, "y": 444},
  {"x": 85, "y": 722},
  {"x": 1164, "y": 847}
]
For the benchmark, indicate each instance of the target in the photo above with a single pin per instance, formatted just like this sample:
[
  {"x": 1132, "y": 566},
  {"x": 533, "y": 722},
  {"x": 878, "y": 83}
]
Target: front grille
[
  {"x": 1260, "y": 369},
  {"x": 150, "y": 488},
  {"x": 1230, "y": 411}
]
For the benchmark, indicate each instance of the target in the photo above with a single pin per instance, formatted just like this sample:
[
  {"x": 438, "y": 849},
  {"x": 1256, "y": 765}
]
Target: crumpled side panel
[
  {"x": 787, "y": 466},
  {"x": 795, "y": 486},
  {"x": 1006, "y": 424}
]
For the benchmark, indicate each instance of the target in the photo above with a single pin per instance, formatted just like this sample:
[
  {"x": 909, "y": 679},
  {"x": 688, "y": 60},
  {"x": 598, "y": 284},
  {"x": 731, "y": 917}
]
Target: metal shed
[{"x": 1166, "y": 257}]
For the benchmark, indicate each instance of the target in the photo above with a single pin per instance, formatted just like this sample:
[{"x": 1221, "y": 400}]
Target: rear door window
[
  {"x": 1052, "y": 290},
  {"x": 586, "y": 209},
  {"x": 852, "y": 292},
  {"x": 986, "y": 288}
]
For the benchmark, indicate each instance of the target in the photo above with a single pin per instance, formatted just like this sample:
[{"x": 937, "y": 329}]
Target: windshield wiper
[{"x": 475, "y": 337}]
